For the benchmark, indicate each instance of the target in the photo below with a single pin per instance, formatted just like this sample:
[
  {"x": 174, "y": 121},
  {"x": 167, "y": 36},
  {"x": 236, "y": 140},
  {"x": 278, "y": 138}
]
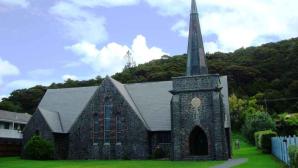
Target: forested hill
[{"x": 268, "y": 72}]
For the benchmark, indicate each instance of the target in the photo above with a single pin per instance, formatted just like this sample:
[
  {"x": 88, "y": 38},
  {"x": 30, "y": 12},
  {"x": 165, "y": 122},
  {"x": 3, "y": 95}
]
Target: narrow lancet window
[
  {"x": 119, "y": 129},
  {"x": 108, "y": 109}
]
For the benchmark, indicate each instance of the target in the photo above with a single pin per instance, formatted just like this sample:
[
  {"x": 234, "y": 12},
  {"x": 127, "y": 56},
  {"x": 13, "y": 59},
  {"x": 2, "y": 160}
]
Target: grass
[
  {"x": 256, "y": 159},
  {"x": 17, "y": 163}
]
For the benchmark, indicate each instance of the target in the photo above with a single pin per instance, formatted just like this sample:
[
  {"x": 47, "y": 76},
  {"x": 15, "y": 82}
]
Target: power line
[
  {"x": 276, "y": 100},
  {"x": 279, "y": 99}
]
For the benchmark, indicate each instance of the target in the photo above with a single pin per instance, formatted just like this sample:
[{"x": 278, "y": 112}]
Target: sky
[{"x": 46, "y": 41}]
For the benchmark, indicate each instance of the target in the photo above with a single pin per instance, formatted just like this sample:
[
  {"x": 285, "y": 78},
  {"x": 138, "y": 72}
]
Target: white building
[{"x": 12, "y": 124}]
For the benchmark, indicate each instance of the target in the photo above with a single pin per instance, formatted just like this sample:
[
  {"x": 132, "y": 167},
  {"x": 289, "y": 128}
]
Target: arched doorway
[{"x": 198, "y": 142}]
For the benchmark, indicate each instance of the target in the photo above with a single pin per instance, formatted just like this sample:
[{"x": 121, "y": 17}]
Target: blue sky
[{"x": 45, "y": 41}]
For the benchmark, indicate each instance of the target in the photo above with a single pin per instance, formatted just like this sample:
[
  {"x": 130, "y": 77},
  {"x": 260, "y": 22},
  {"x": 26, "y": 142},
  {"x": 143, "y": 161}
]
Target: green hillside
[{"x": 269, "y": 71}]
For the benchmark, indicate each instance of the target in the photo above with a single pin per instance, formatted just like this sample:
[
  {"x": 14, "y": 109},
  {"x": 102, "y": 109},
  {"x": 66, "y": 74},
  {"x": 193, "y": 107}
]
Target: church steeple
[{"x": 196, "y": 59}]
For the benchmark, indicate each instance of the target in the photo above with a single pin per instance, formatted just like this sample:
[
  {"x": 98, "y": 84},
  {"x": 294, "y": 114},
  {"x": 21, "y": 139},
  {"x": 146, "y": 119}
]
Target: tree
[
  {"x": 257, "y": 121},
  {"x": 240, "y": 108},
  {"x": 9, "y": 106}
]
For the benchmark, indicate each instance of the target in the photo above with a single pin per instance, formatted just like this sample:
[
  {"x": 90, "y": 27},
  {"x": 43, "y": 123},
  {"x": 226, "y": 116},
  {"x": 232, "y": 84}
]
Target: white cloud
[
  {"x": 14, "y": 3},
  {"x": 7, "y": 69},
  {"x": 211, "y": 47},
  {"x": 142, "y": 53},
  {"x": 72, "y": 77},
  {"x": 111, "y": 58},
  {"x": 81, "y": 25},
  {"x": 72, "y": 64},
  {"x": 104, "y": 3},
  {"x": 181, "y": 27},
  {"x": 22, "y": 84},
  {"x": 236, "y": 23},
  {"x": 170, "y": 7},
  {"x": 41, "y": 73}
]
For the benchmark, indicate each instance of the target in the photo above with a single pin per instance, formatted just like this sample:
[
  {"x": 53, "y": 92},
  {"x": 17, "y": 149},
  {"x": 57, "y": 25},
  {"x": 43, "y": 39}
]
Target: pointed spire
[
  {"x": 194, "y": 7},
  {"x": 196, "y": 59}
]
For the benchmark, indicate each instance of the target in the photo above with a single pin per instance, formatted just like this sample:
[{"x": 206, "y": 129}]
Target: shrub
[
  {"x": 38, "y": 148},
  {"x": 263, "y": 140},
  {"x": 287, "y": 124},
  {"x": 293, "y": 154},
  {"x": 257, "y": 139},
  {"x": 254, "y": 122}
]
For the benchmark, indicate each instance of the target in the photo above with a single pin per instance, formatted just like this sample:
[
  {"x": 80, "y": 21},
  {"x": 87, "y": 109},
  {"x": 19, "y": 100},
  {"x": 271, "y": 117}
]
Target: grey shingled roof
[
  {"x": 150, "y": 101},
  {"x": 53, "y": 120},
  {"x": 153, "y": 102},
  {"x": 62, "y": 107},
  {"x": 123, "y": 91},
  {"x": 14, "y": 117}
]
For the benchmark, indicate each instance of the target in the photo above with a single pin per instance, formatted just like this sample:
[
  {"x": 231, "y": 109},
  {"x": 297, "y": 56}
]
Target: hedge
[
  {"x": 293, "y": 154},
  {"x": 263, "y": 140}
]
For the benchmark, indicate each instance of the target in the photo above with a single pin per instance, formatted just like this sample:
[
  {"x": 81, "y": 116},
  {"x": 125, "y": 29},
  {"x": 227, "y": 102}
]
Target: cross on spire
[{"x": 196, "y": 59}]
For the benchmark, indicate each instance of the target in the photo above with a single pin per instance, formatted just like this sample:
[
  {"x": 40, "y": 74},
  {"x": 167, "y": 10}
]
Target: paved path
[{"x": 231, "y": 163}]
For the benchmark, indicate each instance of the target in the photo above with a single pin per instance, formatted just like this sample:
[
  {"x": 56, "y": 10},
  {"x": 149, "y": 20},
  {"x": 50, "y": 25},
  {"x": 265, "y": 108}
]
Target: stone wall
[
  {"x": 160, "y": 140},
  {"x": 37, "y": 126},
  {"x": 87, "y": 135},
  {"x": 209, "y": 116}
]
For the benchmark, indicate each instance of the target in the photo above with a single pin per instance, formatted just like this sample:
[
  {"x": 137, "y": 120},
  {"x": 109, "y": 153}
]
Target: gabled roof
[
  {"x": 62, "y": 107},
  {"x": 123, "y": 91},
  {"x": 153, "y": 102},
  {"x": 150, "y": 101},
  {"x": 14, "y": 117},
  {"x": 53, "y": 120}
]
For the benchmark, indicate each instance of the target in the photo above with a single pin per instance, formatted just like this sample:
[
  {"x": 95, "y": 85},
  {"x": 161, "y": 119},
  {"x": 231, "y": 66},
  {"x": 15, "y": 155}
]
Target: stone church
[{"x": 188, "y": 117}]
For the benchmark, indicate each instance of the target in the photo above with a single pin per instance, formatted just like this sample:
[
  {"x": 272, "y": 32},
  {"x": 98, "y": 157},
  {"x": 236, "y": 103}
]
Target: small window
[{"x": 6, "y": 125}]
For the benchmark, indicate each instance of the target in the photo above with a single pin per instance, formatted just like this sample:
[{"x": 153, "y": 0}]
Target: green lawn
[
  {"x": 17, "y": 163},
  {"x": 256, "y": 159}
]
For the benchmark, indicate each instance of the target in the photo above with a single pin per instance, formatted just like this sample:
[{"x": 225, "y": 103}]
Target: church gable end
[{"x": 117, "y": 131}]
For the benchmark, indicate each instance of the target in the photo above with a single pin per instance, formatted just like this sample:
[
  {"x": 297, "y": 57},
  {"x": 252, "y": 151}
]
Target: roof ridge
[
  {"x": 138, "y": 110},
  {"x": 84, "y": 87},
  {"x": 59, "y": 117},
  {"x": 147, "y": 82}
]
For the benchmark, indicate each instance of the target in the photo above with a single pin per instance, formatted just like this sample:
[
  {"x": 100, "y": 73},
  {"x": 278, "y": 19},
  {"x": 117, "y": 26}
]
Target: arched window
[
  {"x": 108, "y": 109},
  {"x": 119, "y": 129}
]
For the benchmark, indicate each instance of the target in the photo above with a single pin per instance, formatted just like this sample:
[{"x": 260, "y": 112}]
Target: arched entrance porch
[{"x": 198, "y": 142}]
